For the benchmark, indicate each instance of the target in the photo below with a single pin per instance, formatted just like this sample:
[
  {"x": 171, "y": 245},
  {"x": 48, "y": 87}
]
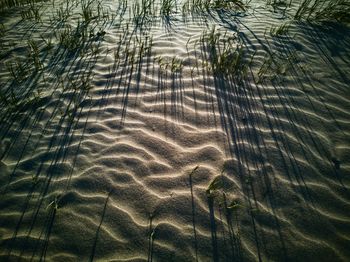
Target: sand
[{"x": 110, "y": 146}]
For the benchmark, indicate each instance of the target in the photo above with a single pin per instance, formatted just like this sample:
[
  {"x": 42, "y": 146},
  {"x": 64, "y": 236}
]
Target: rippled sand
[{"x": 118, "y": 169}]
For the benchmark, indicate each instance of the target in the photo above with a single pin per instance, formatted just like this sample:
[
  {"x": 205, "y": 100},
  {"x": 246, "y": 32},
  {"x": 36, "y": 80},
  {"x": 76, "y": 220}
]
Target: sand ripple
[{"x": 113, "y": 161}]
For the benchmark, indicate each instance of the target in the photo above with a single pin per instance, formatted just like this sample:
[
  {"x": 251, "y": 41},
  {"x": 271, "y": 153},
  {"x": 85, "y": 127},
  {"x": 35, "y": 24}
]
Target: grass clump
[
  {"x": 167, "y": 7},
  {"x": 63, "y": 12},
  {"x": 214, "y": 185},
  {"x": 229, "y": 61},
  {"x": 191, "y": 6},
  {"x": 87, "y": 13},
  {"x": 276, "y": 65},
  {"x": 226, "y": 54},
  {"x": 32, "y": 13},
  {"x": 68, "y": 40},
  {"x": 320, "y": 10},
  {"x": 175, "y": 65},
  {"x": 72, "y": 39},
  {"x": 34, "y": 54},
  {"x": 2, "y": 30},
  {"x": 280, "y": 30},
  {"x": 18, "y": 70},
  {"x": 142, "y": 12},
  {"x": 7, "y": 4},
  {"x": 233, "y": 4}
]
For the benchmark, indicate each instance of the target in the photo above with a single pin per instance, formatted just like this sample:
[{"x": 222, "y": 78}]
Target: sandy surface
[{"x": 108, "y": 149}]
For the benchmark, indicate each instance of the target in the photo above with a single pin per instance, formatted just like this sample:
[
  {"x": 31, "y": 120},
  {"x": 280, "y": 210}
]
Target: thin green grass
[
  {"x": 18, "y": 70},
  {"x": 280, "y": 30},
  {"x": 276, "y": 65},
  {"x": 214, "y": 185},
  {"x": 7, "y": 4},
  {"x": 320, "y": 10},
  {"x": 2, "y": 30},
  {"x": 33, "y": 12},
  {"x": 167, "y": 7},
  {"x": 34, "y": 54},
  {"x": 203, "y": 6},
  {"x": 226, "y": 54}
]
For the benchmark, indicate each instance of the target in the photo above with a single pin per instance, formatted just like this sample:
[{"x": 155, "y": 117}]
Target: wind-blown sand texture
[{"x": 193, "y": 136}]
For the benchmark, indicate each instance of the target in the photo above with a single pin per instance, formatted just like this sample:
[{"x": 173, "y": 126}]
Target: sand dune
[{"x": 109, "y": 148}]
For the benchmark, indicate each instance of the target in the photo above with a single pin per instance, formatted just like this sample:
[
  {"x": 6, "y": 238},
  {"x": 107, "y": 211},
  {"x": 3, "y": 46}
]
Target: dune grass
[
  {"x": 223, "y": 54},
  {"x": 320, "y": 10},
  {"x": 280, "y": 30}
]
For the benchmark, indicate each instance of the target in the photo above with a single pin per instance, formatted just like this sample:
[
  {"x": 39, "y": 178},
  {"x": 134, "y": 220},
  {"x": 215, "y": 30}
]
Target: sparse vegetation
[
  {"x": 33, "y": 12},
  {"x": 320, "y": 10},
  {"x": 225, "y": 54},
  {"x": 193, "y": 6},
  {"x": 175, "y": 65},
  {"x": 2, "y": 30},
  {"x": 87, "y": 14},
  {"x": 276, "y": 65},
  {"x": 18, "y": 70},
  {"x": 114, "y": 95},
  {"x": 167, "y": 7},
  {"x": 214, "y": 185},
  {"x": 280, "y": 30},
  {"x": 34, "y": 54},
  {"x": 54, "y": 204}
]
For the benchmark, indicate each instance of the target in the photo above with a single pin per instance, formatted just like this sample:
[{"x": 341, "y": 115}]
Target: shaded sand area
[{"x": 164, "y": 132}]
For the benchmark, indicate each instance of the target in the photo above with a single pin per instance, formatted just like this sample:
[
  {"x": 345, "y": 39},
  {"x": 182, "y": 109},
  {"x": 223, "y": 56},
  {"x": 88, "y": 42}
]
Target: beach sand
[{"x": 126, "y": 139}]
